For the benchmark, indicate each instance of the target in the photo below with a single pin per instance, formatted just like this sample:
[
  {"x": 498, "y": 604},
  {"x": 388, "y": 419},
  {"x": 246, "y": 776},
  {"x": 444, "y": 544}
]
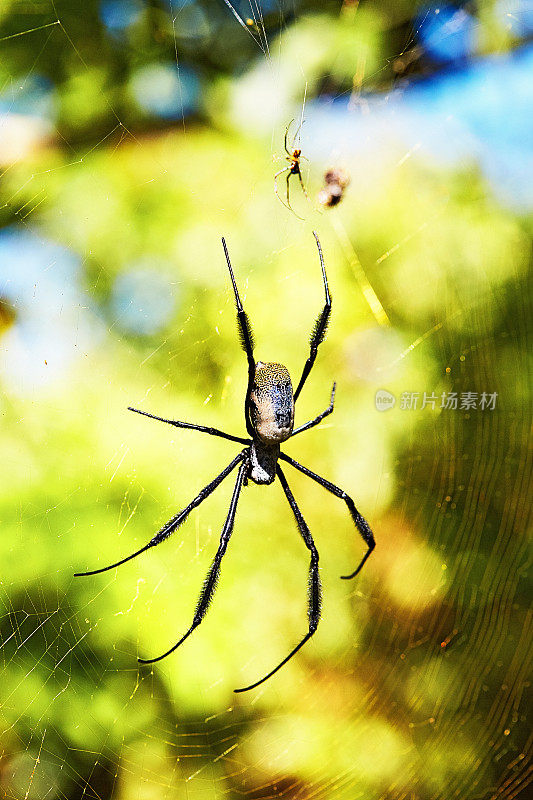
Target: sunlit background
[{"x": 133, "y": 135}]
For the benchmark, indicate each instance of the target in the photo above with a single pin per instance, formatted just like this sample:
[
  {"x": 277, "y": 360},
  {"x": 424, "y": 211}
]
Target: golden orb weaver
[{"x": 269, "y": 418}]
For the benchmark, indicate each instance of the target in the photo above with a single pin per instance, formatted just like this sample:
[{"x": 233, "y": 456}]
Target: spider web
[{"x": 113, "y": 293}]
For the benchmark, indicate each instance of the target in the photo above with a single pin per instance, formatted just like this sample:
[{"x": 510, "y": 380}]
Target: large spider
[{"x": 269, "y": 416}]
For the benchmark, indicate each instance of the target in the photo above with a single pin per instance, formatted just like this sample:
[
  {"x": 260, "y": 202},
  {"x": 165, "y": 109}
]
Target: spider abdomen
[{"x": 272, "y": 403}]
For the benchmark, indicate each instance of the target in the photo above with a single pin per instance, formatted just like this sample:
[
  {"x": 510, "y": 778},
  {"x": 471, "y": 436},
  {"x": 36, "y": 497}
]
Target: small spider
[
  {"x": 269, "y": 417},
  {"x": 293, "y": 157},
  {"x": 335, "y": 182}
]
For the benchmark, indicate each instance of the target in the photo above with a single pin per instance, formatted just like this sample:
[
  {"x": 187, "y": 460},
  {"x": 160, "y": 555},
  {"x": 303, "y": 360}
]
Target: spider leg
[
  {"x": 321, "y": 325},
  {"x": 210, "y": 583},
  {"x": 359, "y": 521},
  {"x": 283, "y": 203},
  {"x": 286, "y": 136},
  {"x": 298, "y": 129},
  {"x": 276, "y": 176},
  {"x": 192, "y": 426},
  {"x": 320, "y": 417},
  {"x": 314, "y": 598},
  {"x": 176, "y": 521},
  {"x": 304, "y": 190},
  {"x": 247, "y": 341}
]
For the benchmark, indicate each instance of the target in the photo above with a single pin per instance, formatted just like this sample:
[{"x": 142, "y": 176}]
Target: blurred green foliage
[
  {"x": 413, "y": 685},
  {"x": 90, "y": 51}
]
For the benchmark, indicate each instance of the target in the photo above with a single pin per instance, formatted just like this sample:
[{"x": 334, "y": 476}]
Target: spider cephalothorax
[
  {"x": 269, "y": 417},
  {"x": 294, "y": 159}
]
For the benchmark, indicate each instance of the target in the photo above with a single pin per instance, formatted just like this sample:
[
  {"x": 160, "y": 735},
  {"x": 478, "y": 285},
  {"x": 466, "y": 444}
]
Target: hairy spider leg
[
  {"x": 314, "y": 596},
  {"x": 176, "y": 521},
  {"x": 359, "y": 521},
  {"x": 247, "y": 341},
  {"x": 318, "y": 418},
  {"x": 321, "y": 325},
  {"x": 210, "y": 583},
  {"x": 192, "y": 426}
]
